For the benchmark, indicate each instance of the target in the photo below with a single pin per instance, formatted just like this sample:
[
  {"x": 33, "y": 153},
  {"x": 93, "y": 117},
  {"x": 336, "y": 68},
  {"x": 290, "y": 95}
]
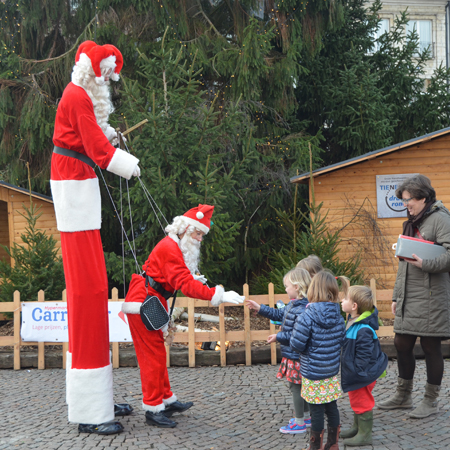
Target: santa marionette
[
  {"x": 82, "y": 139},
  {"x": 171, "y": 266}
]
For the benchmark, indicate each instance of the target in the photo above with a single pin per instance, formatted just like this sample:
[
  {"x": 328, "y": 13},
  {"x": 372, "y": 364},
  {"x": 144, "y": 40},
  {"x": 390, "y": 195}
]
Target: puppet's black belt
[
  {"x": 73, "y": 154},
  {"x": 157, "y": 287}
]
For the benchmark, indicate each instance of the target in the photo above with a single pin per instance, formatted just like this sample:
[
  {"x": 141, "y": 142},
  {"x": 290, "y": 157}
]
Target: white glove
[
  {"x": 232, "y": 297},
  {"x": 200, "y": 278},
  {"x": 110, "y": 133},
  {"x": 137, "y": 171}
]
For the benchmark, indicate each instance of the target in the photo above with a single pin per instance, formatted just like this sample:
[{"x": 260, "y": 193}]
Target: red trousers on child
[{"x": 362, "y": 400}]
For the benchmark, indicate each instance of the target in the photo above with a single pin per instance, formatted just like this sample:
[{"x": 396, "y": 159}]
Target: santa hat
[
  {"x": 101, "y": 57},
  {"x": 119, "y": 61},
  {"x": 200, "y": 217},
  {"x": 84, "y": 48}
]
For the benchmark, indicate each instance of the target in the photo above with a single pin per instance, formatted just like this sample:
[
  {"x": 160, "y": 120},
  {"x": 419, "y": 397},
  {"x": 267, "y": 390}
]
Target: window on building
[
  {"x": 383, "y": 27},
  {"x": 423, "y": 30}
]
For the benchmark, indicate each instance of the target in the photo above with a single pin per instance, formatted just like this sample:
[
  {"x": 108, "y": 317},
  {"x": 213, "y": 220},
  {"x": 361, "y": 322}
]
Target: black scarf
[{"x": 413, "y": 222}]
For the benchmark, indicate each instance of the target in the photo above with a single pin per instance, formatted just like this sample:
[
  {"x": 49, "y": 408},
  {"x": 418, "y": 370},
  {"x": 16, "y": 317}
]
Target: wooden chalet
[
  {"x": 349, "y": 191},
  {"x": 13, "y": 224}
]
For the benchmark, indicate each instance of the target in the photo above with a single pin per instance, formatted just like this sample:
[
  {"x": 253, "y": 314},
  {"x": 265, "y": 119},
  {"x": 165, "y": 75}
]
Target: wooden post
[
  {"x": 247, "y": 331},
  {"x": 115, "y": 345},
  {"x": 273, "y": 345},
  {"x": 65, "y": 346},
  {"x": 191, "y": 332},
  {"x": 167, "y": 355},
  {"x": 41, "y": 345},
  {"x": 373, "y": 286},
  {"x": 223, "y": 349},
  {"x": 17, "y": 338}
]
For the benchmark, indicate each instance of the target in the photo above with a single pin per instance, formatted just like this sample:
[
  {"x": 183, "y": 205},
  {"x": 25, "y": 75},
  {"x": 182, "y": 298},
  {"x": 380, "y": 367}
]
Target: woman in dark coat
[{"x": 421, "y": 298}]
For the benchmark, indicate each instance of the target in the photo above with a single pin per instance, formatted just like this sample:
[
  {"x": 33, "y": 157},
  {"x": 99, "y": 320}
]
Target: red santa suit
[
  {"x": 166, "y": 265},
  {"x": 76, "y": 196}
]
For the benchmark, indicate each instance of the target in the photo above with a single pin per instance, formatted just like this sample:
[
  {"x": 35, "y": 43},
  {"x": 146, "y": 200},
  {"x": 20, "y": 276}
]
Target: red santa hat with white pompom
[
  {"x": 200, "y": 217},
  {"x": 102, "y": 57}
]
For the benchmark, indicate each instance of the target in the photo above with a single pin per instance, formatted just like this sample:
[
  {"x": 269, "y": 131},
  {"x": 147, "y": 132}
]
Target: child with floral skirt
[
  {"x": 318, "y": 335},
  {"x": 296, "y": 283}
]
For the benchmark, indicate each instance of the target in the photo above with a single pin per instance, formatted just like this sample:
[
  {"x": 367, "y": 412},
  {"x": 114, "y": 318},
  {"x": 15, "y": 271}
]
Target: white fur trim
[
  {"x": 90, "y": 395},
  {"x": 108, "y": 63},
  {"x": 77, "y": 204},
  {"x": 122, "y": 164},
  {"x": 100, "y": 80},
  {"x": 218, "y": 296},
  {"x": 115, "y": 76},
  {"x": 131, "y": 307},
  {"x": 175, "y": 238},
  {"x": 197, "y": 224},
  {"x": 170, "y": 400},
  {"x": 153, "y": 409}
]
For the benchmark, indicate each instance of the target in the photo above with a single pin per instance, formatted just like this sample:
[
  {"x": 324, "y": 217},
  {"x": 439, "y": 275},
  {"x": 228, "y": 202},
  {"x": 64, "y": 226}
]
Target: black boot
[
  {"x": 102, "y": 428},
  {"x": 333, "y": 438},
  {"x": 176, "y": 407},
  {"x": 122, "y": 409},
  {"x": 316, "y": 440},
  {"x": 159, "y": 420}
]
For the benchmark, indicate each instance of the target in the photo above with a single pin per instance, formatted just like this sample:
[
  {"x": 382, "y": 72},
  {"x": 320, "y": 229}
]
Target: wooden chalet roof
[
  {"x": 304, "y": 177},
  {"x": 26, "y": 191}
]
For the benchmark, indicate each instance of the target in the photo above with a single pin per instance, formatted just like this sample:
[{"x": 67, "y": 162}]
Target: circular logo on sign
[{"x": 393, "y": 202}]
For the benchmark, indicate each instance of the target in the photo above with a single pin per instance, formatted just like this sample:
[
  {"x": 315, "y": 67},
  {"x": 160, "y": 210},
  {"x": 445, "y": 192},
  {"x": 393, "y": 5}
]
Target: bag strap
[
  {"x": 156, "y": 286},
  {"x": 173, "y": 303}
]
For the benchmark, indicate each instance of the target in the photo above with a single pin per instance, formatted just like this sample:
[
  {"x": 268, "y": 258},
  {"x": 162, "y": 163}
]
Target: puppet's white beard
[
  {"x": 100, "y": 96},
  {"x": 191, "y": 252}
]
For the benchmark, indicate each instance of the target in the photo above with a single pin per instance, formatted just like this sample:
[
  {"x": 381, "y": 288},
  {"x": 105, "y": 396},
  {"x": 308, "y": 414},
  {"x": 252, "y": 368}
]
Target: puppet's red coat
[
  {"x": 76, "y": 197},
  {"x": 166, "y": 266}
]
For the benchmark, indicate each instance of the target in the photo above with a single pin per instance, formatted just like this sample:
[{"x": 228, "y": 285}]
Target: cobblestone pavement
[{"x": 235, "y": 407}]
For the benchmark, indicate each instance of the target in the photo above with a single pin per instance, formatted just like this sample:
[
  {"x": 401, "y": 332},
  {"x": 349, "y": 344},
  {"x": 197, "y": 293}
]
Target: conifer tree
[{"x": 37, "y": 265}]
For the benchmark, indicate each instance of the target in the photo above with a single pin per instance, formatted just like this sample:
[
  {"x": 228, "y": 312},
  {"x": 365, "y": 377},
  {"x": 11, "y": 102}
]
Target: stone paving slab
[{"x": 236, "y": 407}]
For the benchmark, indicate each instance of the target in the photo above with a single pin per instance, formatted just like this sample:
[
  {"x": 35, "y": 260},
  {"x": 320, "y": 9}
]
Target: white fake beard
[
  {"x": 191, "y": 252},
  {"x": 100, "y": 95}
]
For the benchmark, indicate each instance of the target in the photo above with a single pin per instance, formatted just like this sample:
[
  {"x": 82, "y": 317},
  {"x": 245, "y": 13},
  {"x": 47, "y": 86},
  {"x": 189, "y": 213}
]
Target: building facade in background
[{"x": 430, "y": 18}]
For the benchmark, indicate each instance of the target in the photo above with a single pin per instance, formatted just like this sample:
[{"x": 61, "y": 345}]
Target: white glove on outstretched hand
[
  {"x": 200, "y": 278},
  {"x": 137, "y": 171},
  {"x": 232, "y": 297}
]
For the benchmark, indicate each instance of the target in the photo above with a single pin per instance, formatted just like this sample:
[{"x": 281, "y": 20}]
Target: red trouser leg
[
  {"x": 89, "y": 378},
  {"x": 151, "y": 355},
  {"x": 362, "y": 400}
]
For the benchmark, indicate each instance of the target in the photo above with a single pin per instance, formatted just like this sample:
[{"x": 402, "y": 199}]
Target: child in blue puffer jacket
[
  {"x": 362, "y": 364},
  {"x": 296, "y": 283},
  {"x": 318, "y": 335}
]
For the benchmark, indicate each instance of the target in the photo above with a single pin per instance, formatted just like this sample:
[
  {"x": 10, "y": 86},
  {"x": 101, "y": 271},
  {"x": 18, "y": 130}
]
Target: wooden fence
[{"x": 247, "y": 335}]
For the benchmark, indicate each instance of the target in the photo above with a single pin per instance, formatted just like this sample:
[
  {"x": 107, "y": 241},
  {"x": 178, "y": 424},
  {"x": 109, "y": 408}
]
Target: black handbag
[{"x": 152, "y": 311}]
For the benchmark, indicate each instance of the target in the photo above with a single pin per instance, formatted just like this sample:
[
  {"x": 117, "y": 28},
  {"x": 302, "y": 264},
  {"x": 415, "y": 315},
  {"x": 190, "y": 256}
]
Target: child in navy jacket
[
  {"x": 318, "y": 336},
  {"x": 296, "y": 283},
  {"x": 362, "y": 362}
]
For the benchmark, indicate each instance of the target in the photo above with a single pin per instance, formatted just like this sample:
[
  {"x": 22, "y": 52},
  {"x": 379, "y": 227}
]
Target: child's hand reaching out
[
  {"x": 252, "y": 305},
  {"x": 272, "y": 338}
]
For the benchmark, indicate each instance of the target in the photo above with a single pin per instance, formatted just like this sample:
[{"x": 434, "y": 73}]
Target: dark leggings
[
  {"x": 431, "y": 346},
  {"x": 318, "y": 412}
]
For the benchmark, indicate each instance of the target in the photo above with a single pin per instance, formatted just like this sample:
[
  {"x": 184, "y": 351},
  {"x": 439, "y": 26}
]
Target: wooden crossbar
[{"x": 383, "y": 300}]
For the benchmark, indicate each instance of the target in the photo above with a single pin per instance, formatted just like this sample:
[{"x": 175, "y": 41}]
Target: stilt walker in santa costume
[
  {"x": 82, "y": 140},
  {"x": 171, "y": 266}
]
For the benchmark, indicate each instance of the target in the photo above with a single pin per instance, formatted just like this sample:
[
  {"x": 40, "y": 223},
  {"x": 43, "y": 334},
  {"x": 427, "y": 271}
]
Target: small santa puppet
[
  {"x": 82, "y": 139},
  {"x": 171, "y": 266}
]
